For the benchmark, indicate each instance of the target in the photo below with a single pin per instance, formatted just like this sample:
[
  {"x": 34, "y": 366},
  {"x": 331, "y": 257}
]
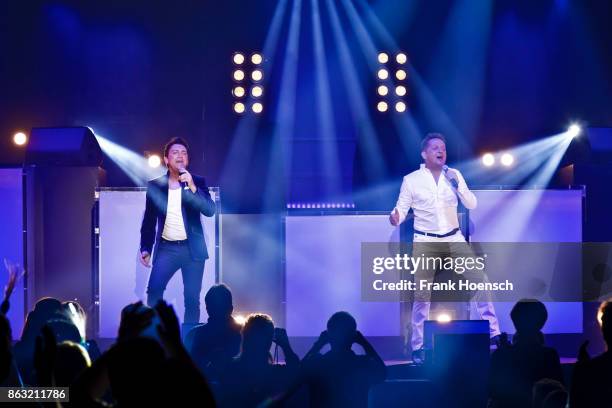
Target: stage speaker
[
  {"x": 69, "y": 146},
  {"x": 461, "y": 368},
  {"x": 433, "y": 328}
]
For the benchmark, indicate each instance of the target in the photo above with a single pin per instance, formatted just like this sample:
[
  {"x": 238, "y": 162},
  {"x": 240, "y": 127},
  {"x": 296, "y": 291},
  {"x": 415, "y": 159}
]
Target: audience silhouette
[
  {"x": 592, "y": 378},
  {"x": 214, "y": 344},
  {"x": 516, "y": 368},
  {"x": 150, "y": 366},
  {"x": 341, "y": 378},
  {"x": 252, "y": 378}
]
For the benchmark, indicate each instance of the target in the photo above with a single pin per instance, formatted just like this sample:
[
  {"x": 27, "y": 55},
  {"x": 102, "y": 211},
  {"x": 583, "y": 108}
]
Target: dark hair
[
  {"x": 257, "y": 333},
  {"x": 218, "y": 300},
  {"x": 173, "y": 141},
  {"x": 342, "y": 321},
  {"x": 529, "y": 315},
  {"x": 429, "y": 137}
]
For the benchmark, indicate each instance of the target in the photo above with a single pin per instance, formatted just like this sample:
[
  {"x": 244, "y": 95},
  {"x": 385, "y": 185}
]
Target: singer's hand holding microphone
[
  {"x": 186, "y": 180},
  {"x": 451, "y": 176}
]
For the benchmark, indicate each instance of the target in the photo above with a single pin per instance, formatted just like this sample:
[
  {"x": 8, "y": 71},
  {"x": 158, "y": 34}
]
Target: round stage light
[
  {"x": 401, "y": 58},
  {"x": 400, "y": 106},
  {"x": 257, "y": 91},
  {"x": 239, "y": 92},
  {"x": 400, "y": 90},
  {"x": 257, "y": 75},
  {"x": 20, "y": 138},
  {"x": 238, "y": 58},
  {"x": 507, "y": 159},
  {"x": 383, "y": 74},
  {"x": 400, "y": 74},
  {"x": 383, "y": 58},
  {"x": 383, "y": 90},
  {"x": 574, "y": 130},
  {"x": 257, "y": 107},
  {"x": 256, "y": 59},
  {"x": 238, "y": 75},
  {"x": 382, "y": 106},
  {"x": 239, "y": 107},
  {"x": 488, "y": 159},
  {"x": 154, "y": 161},
  {"x": 443, "y": 318}
]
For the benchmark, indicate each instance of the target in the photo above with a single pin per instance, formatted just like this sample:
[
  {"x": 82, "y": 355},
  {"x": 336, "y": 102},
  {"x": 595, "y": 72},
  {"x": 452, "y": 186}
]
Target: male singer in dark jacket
[{"x": 174, "y": 204}]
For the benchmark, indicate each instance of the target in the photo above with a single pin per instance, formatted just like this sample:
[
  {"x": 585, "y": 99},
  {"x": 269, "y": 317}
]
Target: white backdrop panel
[
  {"x": 531, "y": 216},
  {"x": 323, "y": 273},
  {"x": 122, "y": 279}
]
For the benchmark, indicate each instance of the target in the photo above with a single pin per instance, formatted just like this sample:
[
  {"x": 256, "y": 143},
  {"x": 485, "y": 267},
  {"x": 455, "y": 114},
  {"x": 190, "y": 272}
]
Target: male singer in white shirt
[{"x": 432, "y": 192}]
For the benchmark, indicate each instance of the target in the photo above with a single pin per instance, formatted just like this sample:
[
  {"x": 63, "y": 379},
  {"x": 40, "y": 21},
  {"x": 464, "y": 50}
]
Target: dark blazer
[{"x": 192, "y": 205}]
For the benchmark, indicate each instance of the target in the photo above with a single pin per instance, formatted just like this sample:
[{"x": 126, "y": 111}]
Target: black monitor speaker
[{"x": 63, "y": 146}]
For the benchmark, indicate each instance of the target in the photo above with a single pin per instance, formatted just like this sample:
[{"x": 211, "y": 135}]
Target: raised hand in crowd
[
  {"x": 14, "y": 274},
  {"x": 135, "y": 318}
]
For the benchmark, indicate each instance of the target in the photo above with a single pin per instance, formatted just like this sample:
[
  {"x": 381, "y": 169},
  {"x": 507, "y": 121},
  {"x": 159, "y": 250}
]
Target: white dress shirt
[
  {"x": 174, "y": 228},
  {"x": 434, "y": 204}
]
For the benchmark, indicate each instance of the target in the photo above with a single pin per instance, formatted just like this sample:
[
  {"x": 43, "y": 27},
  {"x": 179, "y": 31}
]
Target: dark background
[{"x": 140, "y": 72}]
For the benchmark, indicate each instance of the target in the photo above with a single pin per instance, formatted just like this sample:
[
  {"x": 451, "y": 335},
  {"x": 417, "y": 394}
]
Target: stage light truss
[
  {"x": 248, "y": 89},
  {"x": 391, "y": 84}
]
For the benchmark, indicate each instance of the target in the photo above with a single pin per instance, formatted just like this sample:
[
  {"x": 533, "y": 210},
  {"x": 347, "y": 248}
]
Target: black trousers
[{"x": 169, "y": 258}]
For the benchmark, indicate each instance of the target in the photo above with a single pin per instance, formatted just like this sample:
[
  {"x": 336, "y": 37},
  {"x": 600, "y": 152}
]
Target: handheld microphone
[
  {"x": 453, "y": 181},
  {"x": 183, "y": 183}
]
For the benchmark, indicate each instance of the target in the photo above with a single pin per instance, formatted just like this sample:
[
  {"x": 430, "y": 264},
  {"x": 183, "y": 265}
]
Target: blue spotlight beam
[
  {"x": 329, "y": 153},
  {"x": 406, "y": 127},
  {"x": 134, "y": 165},
  {"x": 536, "y": 161},
  {"x": 432, "y": 108},
  {"x": 279, "y": 168},
  {"x": 357, "y": 100},
  {"x": 234, "y": 170},
  {"x": 528, "y": 158},
  {"x": 463, "y": 48}
]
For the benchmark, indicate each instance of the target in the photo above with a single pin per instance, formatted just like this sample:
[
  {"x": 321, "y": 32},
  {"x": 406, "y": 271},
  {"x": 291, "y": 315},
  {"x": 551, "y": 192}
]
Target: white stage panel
[{"x": 122, "y": 278}]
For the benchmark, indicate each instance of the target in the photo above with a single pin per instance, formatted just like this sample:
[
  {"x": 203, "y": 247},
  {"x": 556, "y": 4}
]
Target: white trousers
[{"x": 422, "y": 304}]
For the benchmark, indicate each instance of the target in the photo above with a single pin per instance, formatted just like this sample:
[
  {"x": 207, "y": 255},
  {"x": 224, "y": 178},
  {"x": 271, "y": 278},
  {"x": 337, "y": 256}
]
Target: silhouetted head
[
  {"x": 529, "y": 316},
  {"x": 218, "y": 302},
  {"x": 605, "y": 319},
  {"x": 48, "y": 306},
  {"x": 136, "y": 369},
  {"x": 71, "y": 360},
  {"x": 341, "y": 330},
  {"x": 45, "y": 309},
  {"x": 257, "y": 335}
]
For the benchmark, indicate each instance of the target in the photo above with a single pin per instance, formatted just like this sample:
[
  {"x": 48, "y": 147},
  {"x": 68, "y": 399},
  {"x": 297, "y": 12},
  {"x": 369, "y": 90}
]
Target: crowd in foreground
[{"x": 223, "y": 363}]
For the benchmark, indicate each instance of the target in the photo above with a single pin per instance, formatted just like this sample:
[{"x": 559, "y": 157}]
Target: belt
[
  {"x": 181, "y": 242},
  {"x": 429, "y": 234}
]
